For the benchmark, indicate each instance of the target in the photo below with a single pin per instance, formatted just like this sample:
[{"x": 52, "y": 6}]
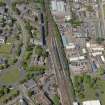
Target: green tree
[
  {"x": 101, "y": 70},
  {"x": 6, "y": 90},
  {"x": 29, "y": 93},
  {"x": 90, "y": 8},
  {"x": 1, "y": 91},
  {"x": 99, "y": 40},
  {"x": 87, "y": 79},
  {"x": 78, "y": 80},
  {"x": 39, "y": 50}
]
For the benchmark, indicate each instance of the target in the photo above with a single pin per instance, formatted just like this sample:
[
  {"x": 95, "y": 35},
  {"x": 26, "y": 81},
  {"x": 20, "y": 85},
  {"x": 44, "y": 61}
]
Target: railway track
[{"x": 57, "y": 60}]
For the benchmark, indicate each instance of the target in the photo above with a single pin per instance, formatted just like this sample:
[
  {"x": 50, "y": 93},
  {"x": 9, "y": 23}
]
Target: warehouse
[{"x": 92, "y": 102}]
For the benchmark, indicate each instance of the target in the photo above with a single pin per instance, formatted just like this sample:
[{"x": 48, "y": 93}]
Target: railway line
[{"x": 57, "y": 55}]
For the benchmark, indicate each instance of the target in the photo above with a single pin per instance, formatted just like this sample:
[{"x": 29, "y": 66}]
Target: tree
[
  {"x": 36, "y": 18},
  {"x": 6, "y": 90},
  {"x": 5, "y": 101},
  {"x": 2, "y": 3},
  {"x": 14, "y": 60},
  {"x": 78, "y": 80},
  {"x": 87, "y": 79},
  {"x": 17, "y": 37},
  {"x": 16, "y": 93},
  {"x": 90, "y": 8},
  {"x": 23, "y": 81},
  {"x": 75, "y": 22},
  {"x": 39, "y": 50},
  {"x": 1, "y": 91},
  {"x": 45, "y": 54},
  {"x": 99, "y": 40},
  {"x": 78, "y": 83},
  {"x": 81, "y": 95},
  {"x": 93, "y": 83},
  {"x": 101, "y": 70},
  {"x": 29, "y": 93}
]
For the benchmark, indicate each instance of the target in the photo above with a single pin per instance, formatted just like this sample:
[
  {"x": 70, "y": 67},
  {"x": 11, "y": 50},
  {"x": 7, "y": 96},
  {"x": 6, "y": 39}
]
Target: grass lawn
[
  {"x": 93, "y": 92},
  {"x": 5, "y": 49},
  {"x": 1, "y": 1},
  {"x": 11, "y": 76},
  {"x": 101, "y": 85},
  {"x": 6, "y": 52},
  {"x": 26, "y": 58},
  {"x": 56, "y": 100},
  {"x": 90, "y": 93}
]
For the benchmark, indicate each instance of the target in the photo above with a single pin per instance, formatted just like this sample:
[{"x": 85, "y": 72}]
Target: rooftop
[
  {"x": 75, "y": 103},
  {"x": 92, "y": 102}
]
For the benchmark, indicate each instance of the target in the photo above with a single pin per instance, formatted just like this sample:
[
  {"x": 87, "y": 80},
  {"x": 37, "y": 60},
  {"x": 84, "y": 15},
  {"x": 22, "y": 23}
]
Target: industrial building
[
  {"x": 75, "y": 103},
  {"x": 92, "y": 102},
  {"x": 58, "y": 5},
  {"x": 89, "y": 102}
]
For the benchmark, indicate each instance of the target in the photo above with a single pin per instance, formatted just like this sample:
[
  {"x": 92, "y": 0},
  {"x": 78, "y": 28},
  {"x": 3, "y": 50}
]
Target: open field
[
  {"x": 10, "y": 76},
  {"x": 5, "y": 49}
]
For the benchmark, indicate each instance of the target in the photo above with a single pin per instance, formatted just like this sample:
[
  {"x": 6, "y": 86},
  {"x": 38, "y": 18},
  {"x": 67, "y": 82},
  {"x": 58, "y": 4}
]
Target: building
[
  {"x": 2, "y": 40},
  {"x": 58, "y": 6},
  {"x": 92, "y": 102},
  {"x": 2, "y": 61},
  {"x": 31, "y": 85},
  {"x": 22, "y": 101},
  {"x": 23, "y": 8},
  {"x": 43, "y": 33},
  {"x": 42, "y": 99},
  {"x": 64, "y": 40},
  {"x": 43, "y": 39},
  {"x": 76, "y": 58},
  {"x": 100, "y": 23},
  {"x": 35, "y": 42},
  {"x": 75, "y": 103}
]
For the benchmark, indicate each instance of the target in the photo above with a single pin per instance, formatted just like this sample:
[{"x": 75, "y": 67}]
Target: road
[{"x": 23, "y": 92}]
